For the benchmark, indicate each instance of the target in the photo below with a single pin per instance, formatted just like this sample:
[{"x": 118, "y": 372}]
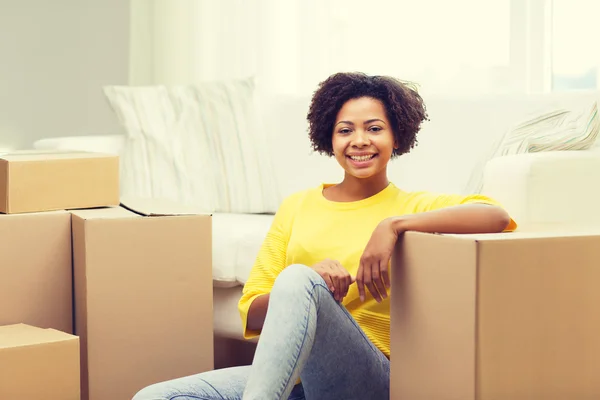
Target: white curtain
[
  {"x": 183, "y": 41},
  {"x": 291, "y": 45}
]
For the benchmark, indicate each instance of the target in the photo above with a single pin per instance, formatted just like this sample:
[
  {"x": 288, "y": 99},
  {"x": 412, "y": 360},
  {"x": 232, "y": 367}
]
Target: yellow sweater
[{"x": 308, "y": 228}]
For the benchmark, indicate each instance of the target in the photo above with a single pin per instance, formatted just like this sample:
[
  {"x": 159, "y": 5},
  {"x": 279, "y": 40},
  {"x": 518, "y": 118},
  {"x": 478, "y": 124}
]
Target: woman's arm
[
  {"x": 451, "y": 213},
  {"x": 258, "y": 312},
  {"x": 466, "y": 218},
  {"x": 270, "y": 261}
]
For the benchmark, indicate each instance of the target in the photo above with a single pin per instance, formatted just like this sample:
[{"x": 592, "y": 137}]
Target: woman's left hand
[{"x": 374, "y": 263}]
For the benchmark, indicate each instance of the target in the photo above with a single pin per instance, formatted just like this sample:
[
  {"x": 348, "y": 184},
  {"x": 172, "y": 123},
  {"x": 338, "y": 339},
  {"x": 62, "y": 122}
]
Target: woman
[{"x": 318, "y": 292}]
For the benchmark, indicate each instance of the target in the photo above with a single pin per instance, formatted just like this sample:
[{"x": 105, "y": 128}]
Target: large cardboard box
[
  {"x": 143, "y": 297},
  {"x": 36, "y": 279},
  {"x": 45, "y": 180},
  {"x": 38, "y": 363},
  {"x": 494, "y": 317}
]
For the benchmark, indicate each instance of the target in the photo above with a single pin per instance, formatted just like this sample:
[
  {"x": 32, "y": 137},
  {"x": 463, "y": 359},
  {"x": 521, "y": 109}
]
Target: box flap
[
  {"x": 104, "y": 213},
  {"x": 160, "y": 207},
  {"x": 39, "y": 155},
  {"x": 26, "y": 335}
]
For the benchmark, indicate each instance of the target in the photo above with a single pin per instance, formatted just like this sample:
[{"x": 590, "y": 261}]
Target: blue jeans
[{"x": 306, "y": 335}]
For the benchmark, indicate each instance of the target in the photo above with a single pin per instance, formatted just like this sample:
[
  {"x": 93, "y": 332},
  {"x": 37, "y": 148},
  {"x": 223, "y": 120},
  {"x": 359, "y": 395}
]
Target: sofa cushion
[
  {"x": 201, "y": 144},
  {"x": 236, "y": 241},
  {"x": 547, "y": 188},
  {"x": 559, "y": 129}
]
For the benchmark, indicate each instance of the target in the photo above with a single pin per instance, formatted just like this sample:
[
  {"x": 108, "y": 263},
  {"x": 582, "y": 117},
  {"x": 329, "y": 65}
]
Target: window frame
[{"x": 531, "y": 45}]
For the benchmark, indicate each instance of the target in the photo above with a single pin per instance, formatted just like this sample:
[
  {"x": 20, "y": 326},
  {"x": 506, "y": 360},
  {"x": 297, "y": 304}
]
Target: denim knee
[
  {"x": 297, "y": 276},
  {"x": 152, "y": 392}
]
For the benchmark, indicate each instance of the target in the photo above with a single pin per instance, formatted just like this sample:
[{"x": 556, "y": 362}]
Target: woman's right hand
[{"x": 338, "y": 279}]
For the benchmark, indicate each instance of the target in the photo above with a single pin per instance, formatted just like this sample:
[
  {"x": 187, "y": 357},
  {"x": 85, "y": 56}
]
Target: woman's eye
[
  {"x": 345, "y": 130},
  {"x": 375, "y": 129}
]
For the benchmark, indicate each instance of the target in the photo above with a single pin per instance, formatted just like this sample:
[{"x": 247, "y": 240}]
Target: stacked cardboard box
[
  {"x": 143, "y": 297},
  {"x": 493, "y": 317},
  {"x": 134, "y": 282},
  {"x": 35, "y": 231},
  {"x": 38, "y": 363}
]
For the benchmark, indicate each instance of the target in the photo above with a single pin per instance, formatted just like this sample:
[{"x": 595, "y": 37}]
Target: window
[
  {"x": 575, "y": 52},
  {"x": 444, "y": 46},
  {"x": 460, "y": 46}
]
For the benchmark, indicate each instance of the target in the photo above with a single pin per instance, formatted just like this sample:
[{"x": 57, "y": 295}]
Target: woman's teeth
[{"x": 362, "y": 158}]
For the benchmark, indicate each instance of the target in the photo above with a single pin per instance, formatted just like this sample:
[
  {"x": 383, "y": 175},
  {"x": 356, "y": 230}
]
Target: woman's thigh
[
  {"x": 343, "y": 362},
  {"x": 221, "y": 384},
  {"x": 309, "y": 334}
]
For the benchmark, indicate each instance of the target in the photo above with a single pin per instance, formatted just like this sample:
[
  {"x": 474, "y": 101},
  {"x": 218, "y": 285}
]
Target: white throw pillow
[
  {"x": 200, "y": 144},
  {"x": 557, "y": 130}
]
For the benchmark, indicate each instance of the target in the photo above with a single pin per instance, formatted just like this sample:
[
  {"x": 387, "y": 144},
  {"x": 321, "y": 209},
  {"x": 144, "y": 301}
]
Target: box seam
[
  {"x": 476, "y": 319},
  {"x": 83, "y": 362},
  {"x": 72, "y": 272},
  {"x": 6, "y": 196}
]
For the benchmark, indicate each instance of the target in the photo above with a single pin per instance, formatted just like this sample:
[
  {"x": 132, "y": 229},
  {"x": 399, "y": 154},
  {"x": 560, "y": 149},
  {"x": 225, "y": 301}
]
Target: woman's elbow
[{"x": 499, "y": 220}]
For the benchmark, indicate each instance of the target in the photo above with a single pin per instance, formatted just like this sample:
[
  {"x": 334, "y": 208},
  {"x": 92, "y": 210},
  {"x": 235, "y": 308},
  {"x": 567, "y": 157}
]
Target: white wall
[{"x": 55, "y": 56}]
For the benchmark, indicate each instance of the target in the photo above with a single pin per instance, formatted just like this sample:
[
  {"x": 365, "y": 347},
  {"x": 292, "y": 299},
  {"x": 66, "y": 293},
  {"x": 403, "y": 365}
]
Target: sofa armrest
[{"x": 561, "y": 187}]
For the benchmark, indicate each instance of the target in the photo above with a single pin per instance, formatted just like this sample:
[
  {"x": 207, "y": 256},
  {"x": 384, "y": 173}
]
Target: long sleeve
[
  {"x": 271, "y": 259},
  {"x": 425, "y": 201}
]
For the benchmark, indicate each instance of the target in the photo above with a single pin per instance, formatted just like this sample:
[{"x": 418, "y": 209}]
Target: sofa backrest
[{"x": 462, "y": 131}]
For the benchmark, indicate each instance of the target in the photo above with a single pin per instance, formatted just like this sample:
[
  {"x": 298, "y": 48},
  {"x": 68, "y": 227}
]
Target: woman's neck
[{"x": 355, "y": 189}]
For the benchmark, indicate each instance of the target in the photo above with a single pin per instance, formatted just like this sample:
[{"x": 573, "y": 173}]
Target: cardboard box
[
  {"x": 38, "y": 363},
  {"x": 495, "y": 317},
  {"x": 143, "y": 297},
  {"x": 43, "y": 180},
  {"x": 36, "y": 278}
]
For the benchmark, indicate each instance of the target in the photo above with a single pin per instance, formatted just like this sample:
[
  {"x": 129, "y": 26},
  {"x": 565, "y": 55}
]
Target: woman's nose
[{"x": 360, "y": 138}]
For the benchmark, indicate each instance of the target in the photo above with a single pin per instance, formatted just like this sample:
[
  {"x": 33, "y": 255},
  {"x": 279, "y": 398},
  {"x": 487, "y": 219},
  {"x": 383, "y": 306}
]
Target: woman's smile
[{"x": 362, "y": 161}]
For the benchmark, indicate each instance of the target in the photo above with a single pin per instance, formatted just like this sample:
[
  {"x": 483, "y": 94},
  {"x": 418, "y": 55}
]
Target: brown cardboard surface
[
  {"x": 436, "y": 300},
  {"x": 539, "y": 323},
  {"x": 36, "y": 284},
  {"x": 38, "y": 363},
  {"x": 143, "y": 299},
  {"x": 526, "y": 329},
  {"x": 32, "y": 181}
]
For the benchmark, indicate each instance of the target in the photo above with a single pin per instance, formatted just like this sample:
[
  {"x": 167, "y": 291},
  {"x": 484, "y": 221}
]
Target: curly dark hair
[{"x": 405, "y": 109}]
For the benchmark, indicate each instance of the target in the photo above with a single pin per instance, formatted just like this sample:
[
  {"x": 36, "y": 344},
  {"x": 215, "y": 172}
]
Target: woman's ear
[{"x": 396, "y": 145}]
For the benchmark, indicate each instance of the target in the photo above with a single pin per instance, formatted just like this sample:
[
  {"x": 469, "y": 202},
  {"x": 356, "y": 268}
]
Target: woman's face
[{"x": 362, "y": 139}]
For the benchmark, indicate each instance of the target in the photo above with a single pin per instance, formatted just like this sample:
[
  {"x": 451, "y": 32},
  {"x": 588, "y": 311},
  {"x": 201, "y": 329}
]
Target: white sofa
[{"x": 535, "y": 188}]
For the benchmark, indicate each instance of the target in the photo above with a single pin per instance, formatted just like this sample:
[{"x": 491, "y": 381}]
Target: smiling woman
[
  {"x": 399, "y": 107},
  {"x": 363, "y": 143},
  {"x": 364, "y": 121},
  {"x": 362, "y": 139},
  {"x": 318, "y": 291}
]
